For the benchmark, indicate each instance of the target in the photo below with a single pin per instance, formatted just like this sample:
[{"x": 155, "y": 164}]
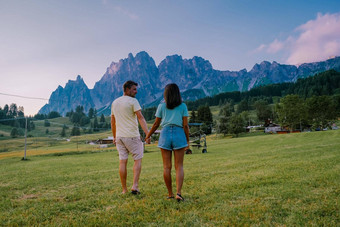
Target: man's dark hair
[
  {"x": 128, "y": 84},
  {"x": 172, "y": 96}
]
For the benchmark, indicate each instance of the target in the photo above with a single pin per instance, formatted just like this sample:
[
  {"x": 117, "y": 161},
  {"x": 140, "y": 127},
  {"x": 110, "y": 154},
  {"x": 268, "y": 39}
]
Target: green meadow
[{"x": 265, "y": 180}]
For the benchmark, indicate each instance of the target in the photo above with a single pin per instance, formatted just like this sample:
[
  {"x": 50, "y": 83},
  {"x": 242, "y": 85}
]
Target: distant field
[{"x": 272, "y": 180}]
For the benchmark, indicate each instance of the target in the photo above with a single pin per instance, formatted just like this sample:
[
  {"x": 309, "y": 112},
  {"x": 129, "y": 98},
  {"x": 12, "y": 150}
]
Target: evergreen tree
[
  {"x": 6, "y": 109},
  {"x": 53, "y": 114},
  {"x": 95, "y": 125},
  {"x": 75, "y": 131},
  {"x": 91, "y": 113},
  {"x": 192, "y": 117},
  {"x": 84, "y": 120},
  {"x": 204, "y": 116},
  {"x": 63, "y": 132},
  {"x": 102, "y": 119},
  {"x": 47, "y": 123}
]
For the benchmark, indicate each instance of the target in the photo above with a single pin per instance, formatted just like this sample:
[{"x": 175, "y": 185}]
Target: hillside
[{"x": 274, "y": 180}]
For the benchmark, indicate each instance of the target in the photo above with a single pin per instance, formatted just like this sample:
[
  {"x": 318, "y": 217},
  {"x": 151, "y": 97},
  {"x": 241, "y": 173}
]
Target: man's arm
[
  {"x": 113, "y": 128},
  {"x": 142, "y": 121}
]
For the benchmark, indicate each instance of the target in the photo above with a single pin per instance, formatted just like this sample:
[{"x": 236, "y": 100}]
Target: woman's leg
[
  {"x": 166, "y": 155},
  {"x": 179, "y": 157}
]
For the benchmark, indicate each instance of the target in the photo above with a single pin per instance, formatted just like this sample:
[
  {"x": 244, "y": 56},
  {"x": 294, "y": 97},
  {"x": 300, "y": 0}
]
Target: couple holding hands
[{"x": 172, "y": 115}]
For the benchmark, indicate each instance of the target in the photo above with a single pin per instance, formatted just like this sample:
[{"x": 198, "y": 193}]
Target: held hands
[
  {"x": 114, "y": 141},
  {"x": 148, "y": 140}
]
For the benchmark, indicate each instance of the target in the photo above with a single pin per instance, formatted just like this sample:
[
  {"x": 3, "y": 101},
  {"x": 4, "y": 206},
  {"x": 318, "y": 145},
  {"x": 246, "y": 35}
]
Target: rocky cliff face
[
  {"x": 195, "y": 77},
  {"x": 74, "y": 94},
  {"x": 141, "y": 69}
]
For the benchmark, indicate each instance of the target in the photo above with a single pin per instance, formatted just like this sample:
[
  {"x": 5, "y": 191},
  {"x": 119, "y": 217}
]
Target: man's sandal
[{"x": 179, "y": 198}]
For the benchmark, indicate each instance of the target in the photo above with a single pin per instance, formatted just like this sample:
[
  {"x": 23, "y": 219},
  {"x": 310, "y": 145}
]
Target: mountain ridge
[{"x": 196, "y": 73}]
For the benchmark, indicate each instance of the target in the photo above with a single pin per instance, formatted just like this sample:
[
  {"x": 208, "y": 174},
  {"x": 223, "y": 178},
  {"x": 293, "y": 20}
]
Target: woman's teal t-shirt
[{"x": 172, "y": 117}]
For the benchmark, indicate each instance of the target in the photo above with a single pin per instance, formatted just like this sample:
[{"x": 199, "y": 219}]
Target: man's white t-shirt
[{"x": 123, "y": 109}]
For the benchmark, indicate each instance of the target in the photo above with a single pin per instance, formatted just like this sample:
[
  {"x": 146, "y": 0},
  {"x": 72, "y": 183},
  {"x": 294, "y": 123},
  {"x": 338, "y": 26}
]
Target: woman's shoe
[
  {"x": 135, "y": 192},
  {"x": 170, "y": 197},
  {"x": 179, "y": 198}
]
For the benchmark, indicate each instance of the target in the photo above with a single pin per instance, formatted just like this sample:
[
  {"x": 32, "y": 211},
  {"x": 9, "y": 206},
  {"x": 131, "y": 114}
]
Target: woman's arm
[
  {"x": 186, "y": 128},
  {"x": 154, "y": 127}
]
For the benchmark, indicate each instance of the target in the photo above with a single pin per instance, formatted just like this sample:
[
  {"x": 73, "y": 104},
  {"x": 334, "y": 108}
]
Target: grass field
[{"x": 268, "y": 180}]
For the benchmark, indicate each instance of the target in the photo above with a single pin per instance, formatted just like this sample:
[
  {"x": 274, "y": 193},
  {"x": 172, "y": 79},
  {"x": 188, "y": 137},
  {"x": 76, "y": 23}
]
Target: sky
[{"x": 45, "y": 43}]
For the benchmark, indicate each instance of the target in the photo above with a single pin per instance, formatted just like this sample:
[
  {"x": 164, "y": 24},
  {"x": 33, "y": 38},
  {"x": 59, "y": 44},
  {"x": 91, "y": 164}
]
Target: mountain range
[{"x": 195, "y": 77}]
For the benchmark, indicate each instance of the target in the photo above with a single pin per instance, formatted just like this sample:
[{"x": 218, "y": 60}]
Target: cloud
[
  {"x": 315, "y": 40},
  {"x": 127, "y": 13},
  {"x": 275, "y": 46}
]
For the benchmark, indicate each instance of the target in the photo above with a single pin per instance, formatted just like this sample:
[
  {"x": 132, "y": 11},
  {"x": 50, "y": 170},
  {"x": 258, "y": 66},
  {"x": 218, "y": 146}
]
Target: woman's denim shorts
[{"x": 172, "y": 138}]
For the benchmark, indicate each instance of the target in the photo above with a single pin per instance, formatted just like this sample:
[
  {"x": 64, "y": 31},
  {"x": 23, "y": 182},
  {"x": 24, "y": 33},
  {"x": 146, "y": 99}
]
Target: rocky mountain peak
[{"x": 195, "y": 75}]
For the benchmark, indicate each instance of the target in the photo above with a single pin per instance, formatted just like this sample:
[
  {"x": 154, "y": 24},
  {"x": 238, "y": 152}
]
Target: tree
[
  {"x": 102, "y": 119},
  {"x": 6, "y": 109},
  {"x": 263, "y": 110},
  {"x": 14, "y": 133},
  {"x": 95, "y": 124},
  {"x": 225, "y": 114},
  {"x": 40, "y": 116},
  {"x": 243, "y": 106},
  {"x": 236, "y": 125},
  {"x": 75, "y": 131},
  {"x": 204, "y": 116},
  {"x": 321, "y": 111},
  {"x": 291, "y": 111},
  {"x": 53, "y": 114},
  {"x": 13, "y": 110},
  {"x": 63, "y": 132},
  {"x": 84, "y": 120},
  {"x": 192, "y": 117},
  {"x": 91, "y": 113},
  {"x": 47, "y": 123},
  {"x": 246, "y": 118}
]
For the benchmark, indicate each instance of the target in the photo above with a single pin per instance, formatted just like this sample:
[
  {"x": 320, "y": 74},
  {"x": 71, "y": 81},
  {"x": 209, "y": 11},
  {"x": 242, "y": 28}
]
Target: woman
[{"x": 173, "y": 117}]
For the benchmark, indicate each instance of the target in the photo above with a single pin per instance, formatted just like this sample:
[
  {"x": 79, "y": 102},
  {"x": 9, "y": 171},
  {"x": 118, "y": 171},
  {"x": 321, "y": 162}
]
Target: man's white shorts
[{"x": 126, "y": 145}]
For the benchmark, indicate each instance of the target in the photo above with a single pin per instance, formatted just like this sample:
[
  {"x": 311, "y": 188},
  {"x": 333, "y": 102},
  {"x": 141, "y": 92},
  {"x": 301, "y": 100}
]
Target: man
[{"x": 125, "y": 111}]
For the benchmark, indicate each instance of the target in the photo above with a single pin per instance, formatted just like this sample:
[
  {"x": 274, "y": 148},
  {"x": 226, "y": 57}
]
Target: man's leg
[
  {"x": 123, "y": 174},
  {"x": 137, "y": 167}
]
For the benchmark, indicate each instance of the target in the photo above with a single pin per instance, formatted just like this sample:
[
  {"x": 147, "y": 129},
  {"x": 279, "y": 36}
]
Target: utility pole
[{"x": 25, "y": 138}]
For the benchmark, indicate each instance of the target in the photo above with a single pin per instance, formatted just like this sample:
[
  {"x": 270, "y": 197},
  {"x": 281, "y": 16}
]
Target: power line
[
  {"x": 51, "y": 122},
  {"x": 20, "y": 96},
  {"x": 38, "y": 98}
]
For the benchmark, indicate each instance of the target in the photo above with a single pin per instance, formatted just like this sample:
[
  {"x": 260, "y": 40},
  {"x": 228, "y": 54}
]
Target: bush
[
  {"x": 14, "y": 133},
  {"x": 47, "y": 123}
]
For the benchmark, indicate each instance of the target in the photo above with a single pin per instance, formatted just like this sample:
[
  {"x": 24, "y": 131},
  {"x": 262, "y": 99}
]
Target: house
[
  {"x": 108, "y": 140},
  {"x": 272, "y": 128},
  {"x": 253, "y": 128}
]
